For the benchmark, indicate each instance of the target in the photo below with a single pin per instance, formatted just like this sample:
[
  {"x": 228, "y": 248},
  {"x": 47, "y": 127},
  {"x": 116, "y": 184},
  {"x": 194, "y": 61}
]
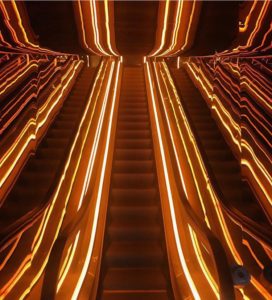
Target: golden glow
[
  {"x": 68, "y": 261},
  {"x": 169, "y": 193},
  {"x": 165, "y": 19},
  {"x": 99, "y": 194},
  {"x": 202, "y": 263},
  {"x": 106, "y": 8}
]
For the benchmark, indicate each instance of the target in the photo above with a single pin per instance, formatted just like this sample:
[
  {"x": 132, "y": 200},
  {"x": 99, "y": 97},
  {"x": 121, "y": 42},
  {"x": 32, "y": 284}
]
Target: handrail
[
  {"x": 248, "y": 225},
  {"x": 28, "y": 220},
  {"x": 226, "y": 288},
  {"x": 53, "y": 266}
]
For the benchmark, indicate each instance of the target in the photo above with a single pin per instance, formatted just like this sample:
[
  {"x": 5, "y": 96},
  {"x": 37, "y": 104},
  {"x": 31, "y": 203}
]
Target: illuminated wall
[
  {"x": 236, "y": 86},
  {"x": 176, "y": 27},
  {"x": 34, "y": 83}
]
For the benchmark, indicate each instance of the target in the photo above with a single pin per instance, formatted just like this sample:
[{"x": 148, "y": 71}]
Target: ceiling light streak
[
  {"x": 162, "y": 43},
  {"x": 83, "y": 29},
  {"x": 106, "y": 8},
  {"x": 176, "y": 28},
  {"x": 96, "y": 28}
]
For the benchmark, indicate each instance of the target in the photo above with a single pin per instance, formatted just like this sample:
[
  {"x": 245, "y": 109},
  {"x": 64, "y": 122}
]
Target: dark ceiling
[
  {"x": 217, "y": 27},
  {"x": 54, "y": 24}
]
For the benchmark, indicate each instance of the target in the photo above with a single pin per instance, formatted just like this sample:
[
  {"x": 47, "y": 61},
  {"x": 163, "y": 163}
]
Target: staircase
[
  {"x": 223, "y": 164},
  {"x": 134, "y": 261},
  {"x": 39, "y": 174}
]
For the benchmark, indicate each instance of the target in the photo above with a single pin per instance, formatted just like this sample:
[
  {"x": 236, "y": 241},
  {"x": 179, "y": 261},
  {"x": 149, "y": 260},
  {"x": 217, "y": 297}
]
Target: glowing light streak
[
  {"x": 162, "y": 43},
  {"x": 33, "y": 123},
  {"x": 176, "y": 28},
  {"x": 244, "y": 27},
  {"x": 210, "y": 189},
  {"x": 223, "y": 225},
  {"x": 101, "y": 182},
  {"x": 106, "y": 8},
  {"x": 9, "y": 254},
  {"x": 92, "y": 156},
  {"x": 189, "y": 27},
  {"x": 14, "y": 5},
  {"x": 82, "y": 26},
  {"x": 27, "y": 265},
  {"x": 170, "y": 197},
  {"x": 68, "y": 263},
  {"x": 260, "y": 184},
  {"x": 95, "y": 27},
  {"x": 202, "y": 263},
  {"x": 18, "y": 77},
  {"x": 246, "y": 243},
  {"x": 204, "y": 88}
]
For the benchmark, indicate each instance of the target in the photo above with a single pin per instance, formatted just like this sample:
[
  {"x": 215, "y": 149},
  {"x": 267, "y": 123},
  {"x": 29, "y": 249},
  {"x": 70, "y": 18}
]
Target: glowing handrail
[{"x": 225, "y": 280}]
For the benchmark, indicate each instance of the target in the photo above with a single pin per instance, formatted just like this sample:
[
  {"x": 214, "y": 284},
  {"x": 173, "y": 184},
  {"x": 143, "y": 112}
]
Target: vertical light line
[
  {"x": 95, "y": 26},
  {"x": 164, "y": 28},
  {"x": 106, "y": 8},
  {"x": 170, "y": 197},
  {"x": 99, "y": 195}
]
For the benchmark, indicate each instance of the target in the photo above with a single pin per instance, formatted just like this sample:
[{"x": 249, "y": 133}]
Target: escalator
[
  {"x": 224, "y": 166},
  {"x": 134, "y": 259},
  {"x": 31, "y": 191}
]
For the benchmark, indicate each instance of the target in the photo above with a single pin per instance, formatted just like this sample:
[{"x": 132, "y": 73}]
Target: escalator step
[
  {"x": 134, "y": 254},
  {"x": 135, "y": 295},
  {"x": 133, "y": 166},
  {"x": 130, "y": 180},
  {"x": 134, "y": 197},
  {"x": 134, "y": 279},
  {"x": 133, "y": 143}
]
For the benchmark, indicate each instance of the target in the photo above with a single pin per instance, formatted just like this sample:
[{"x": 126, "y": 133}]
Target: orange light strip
[
  {"x": 101, "y": 182},
  {"x": 176, "y": 28},
  {"x": 67, "y": 264},
  {"x": 40, "y": 124},
  {"x": 25, "y": 265},
  {"x": 221, "y": 219},
  {"x": 165, "y": 19},
  {"x": 83, "y": 28},
  {"x": 170, "y": 196},
  {"x": 96, "y": 28},
  {"x": 244, "y": 27},
  {"x": 203, "y": 264},
  {"x": 106, "y": 9}
]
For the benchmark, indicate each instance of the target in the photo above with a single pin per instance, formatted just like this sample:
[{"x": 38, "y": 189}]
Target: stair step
[
  {"x": 128, "y": 180},
  {"x": 135, "y": 295},
  {"x": 132, "y": 117},
  {"x": 134, "y": 213},
  {"x": 56, "y": 142},
  {"x": 50, "y": 153},
  {"x": 134, "y": 279},
  {"x": 134, "y": 254},
  {"x": 133, "y": 154},
  {"x": 133, "y": 134},
  {"x": 134, "y": 197},
  {"x": 131, "y": 232},
  {"x": 133, "y": 110},
  {"x": 130, "y": 124},
  {"x": 44, "y": 165},
  {"x": 132, "y": 105},
  {"x": 143, "y": 143},
  {"x": 133, "y": 166}
]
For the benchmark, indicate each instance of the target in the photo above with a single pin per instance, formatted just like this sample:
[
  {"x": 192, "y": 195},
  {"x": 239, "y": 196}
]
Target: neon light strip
[
  {"x": 99, "y": 195},
  {"x": 170, "y": 197}
]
